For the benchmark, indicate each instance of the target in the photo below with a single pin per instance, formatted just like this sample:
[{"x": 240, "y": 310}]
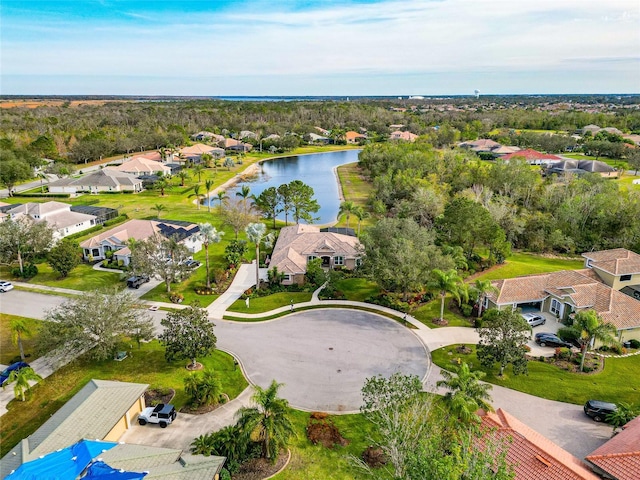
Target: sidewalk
[{"x": 245, "y": 278}]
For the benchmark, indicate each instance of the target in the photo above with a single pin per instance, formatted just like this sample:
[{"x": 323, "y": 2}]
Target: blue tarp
[
  {"x": 65, "y": 464},
  {"x": 101, "y": 471}
]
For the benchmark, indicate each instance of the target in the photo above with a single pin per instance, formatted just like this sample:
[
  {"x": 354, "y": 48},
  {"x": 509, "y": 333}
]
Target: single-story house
[
  {"x": 581, "y": 167},
  {"x": 404, "y": 136},
  {"x": 619, "y": 458},
  {"x": 298, "y": 244},
  {"x": 593, "y": 129},
  {"x": 102, "y": 214},
  {"x": 531, "y": 455},
  {"x": 272, "y": 137},
  {"x": 194, "y": 152},
  {"x": 248, "y": 134},
  {"x": 322, "y": 131},
  {"x": 315, "y": 138},
  {"x": 480, "y": 145},
  {"x": 105, "y": 180},
  {"x": 236, "y": 145},
  {"x": 565, "y": 292},
  {"x": 207, "y": 136},
  {"x": 101, "y": 410},
  {"x": 532, "y": 156},
  {"x": 117, "y": 239},
  {"x": 58, "y": 216},
  {"x": 354, "y": 137},
  {"x": 142, "y": 166}
]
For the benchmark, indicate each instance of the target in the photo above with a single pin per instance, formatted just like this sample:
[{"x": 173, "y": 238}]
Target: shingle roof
[
  {"x": 101, "y": 178},
  {"x": 91, "y": 413},
  {"x": 578, "y": 287},
  {"x": 620, "y": 456},
  {"x": 197, "y": 149},
  {"x": 57, "y": 214},
  {"x": 140, "y": 230},
  {"x": 530, "y": 154},
  {"x": 141, "y": 165},
  {"x": 533, "y": 456},
  {"x": 617, "y": 261},
  {"x": 297, "y": 242}
]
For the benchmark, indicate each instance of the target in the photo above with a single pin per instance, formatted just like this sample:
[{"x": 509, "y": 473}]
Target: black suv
[
  {"x": 598, "y": 410},
  {"x": 550, "y": 340},
  {"x": 136, "y": 281}
]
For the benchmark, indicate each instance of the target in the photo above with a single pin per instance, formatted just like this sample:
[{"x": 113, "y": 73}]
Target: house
[
  {"x": 207, "y": 137},
  {"x": 116, "y": 240},
  {"x": 581, "y": 167},
  {"x": 619, "y": 458},
  {"x": 101, "y": 410},
  {"x": 323, "y": 132},
  {"x": 298, "y": 244},
  {"x": 354, "y": 137},
  {"x": 634, "y": 138},
  {"x": 194, "y": 152},
  {"x": 315, "y": 138},
  {"x": 140, "y": 165},
  {"x": 105, "y": 180},
  {"x": 102, "y": 214},
  {"x": 272, "y": 137},
  {"x": 565, "y": 292},
  {"x": 247, "y": 134},
  {"x": 480, "y": 145},
  {"x": 403, "y": 136},
  {"x": 619, "y": 268},
  {"x": 593, "y": 129},
  {"x": 531, "y": 455},
  {"x": 58, "y": 216},
  {"x": 236, "y": 145},
  {"x": 532, "y": 157}
]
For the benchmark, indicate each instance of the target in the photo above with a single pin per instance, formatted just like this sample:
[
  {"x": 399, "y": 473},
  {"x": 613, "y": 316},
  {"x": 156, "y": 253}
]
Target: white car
[
  {"x": 534, "y": 320},
  {"x": 5, "y": 287}
]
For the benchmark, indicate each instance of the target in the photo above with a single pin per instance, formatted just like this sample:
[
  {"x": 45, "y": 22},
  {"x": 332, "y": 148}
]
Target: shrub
[
  {"x": 634, "y": 343},
  {"x": 29, "y": 271},
  {"x": 568, "y": 334},
  {"x": 563, "y": 353},
  {"x": 466, "y": 309},
  {"x": 616, "y": 348}
]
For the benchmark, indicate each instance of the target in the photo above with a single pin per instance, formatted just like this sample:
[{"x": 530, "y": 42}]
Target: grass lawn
[
  {"x": 269, "y": 302},
  {"x": 356, "y": 189},
  {"x": 613, "y": 384},
  {"x": 146, "y": 365},
  {"x": 357, "y": 289},
  {"x": 9, "y": 351},
  {"x": 83, "y": 277},
  {"x": 431, "y": 310},
  {"x": 315, "y": 462},
  {"x": 520, "y": 264},
  {"x": 614, "y": 162}
]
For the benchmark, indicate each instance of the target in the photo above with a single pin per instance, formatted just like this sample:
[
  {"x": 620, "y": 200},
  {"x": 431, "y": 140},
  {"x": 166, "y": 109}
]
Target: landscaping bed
[{"x": 260, "y": 468}]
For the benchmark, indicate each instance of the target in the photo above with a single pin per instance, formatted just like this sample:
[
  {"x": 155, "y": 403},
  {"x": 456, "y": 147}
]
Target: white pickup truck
[{"x": 162, "y": 414}]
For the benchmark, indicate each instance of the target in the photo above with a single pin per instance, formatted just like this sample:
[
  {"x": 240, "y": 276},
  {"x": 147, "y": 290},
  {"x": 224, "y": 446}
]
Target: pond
[{"x": 316, "y": 170}]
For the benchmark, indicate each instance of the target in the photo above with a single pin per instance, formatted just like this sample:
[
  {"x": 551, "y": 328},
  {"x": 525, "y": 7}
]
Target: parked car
[
  {"x": 7, "y": 371},
  {"x": 534, "y": 320},
  {"x": 163, "y": 414},
  {"x": 599, "y": 410},
  {"x": 192, "y": 263},
  {"x": 551, "y": 340},
  {"x": 136, "y": 281},
  {"x": 5, "y": 286}
]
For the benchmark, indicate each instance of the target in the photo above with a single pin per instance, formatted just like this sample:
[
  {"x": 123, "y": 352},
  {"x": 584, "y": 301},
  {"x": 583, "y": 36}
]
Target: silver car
[
  {"x": 534, "y": 320},
  {"x": 5, "y": 287}
]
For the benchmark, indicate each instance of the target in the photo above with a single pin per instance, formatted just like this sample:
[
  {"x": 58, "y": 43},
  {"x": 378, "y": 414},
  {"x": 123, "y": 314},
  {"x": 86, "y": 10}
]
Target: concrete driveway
[{"x": 323, "y": 356}]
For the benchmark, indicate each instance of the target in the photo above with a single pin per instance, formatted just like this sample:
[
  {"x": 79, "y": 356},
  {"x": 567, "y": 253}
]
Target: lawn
[
  {"x": 357, "y": 289},
  {"x": 613, "y": 384},
  {"x": 614, "y": 162},
  {"x": 9, "y": 352},
  {"x": 356, "y": 189},
  {"x": 520, "y": 263},
  {"x": 145, "y": 365},
  {"x": 315, "y": 462},
  {"x": 83, "y": 277},
  {"x": 431, "y": 310},
  {"x": 269, "y": 302}
]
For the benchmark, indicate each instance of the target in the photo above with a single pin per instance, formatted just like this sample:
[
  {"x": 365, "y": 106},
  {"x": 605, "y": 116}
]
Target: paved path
[{"x": 245, "y": 278}]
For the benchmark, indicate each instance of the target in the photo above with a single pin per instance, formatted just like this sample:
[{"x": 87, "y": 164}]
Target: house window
[
  {"x": 287, "y": 277},
  {"x": 311, "y": 257},
  {"x": 95, "y": 252},
  {"x": 555, "y": 306},
  {"x": 625, "y": 278},
  {"x": 338, "y": 260},
  {"x": 358, "y": 262}
]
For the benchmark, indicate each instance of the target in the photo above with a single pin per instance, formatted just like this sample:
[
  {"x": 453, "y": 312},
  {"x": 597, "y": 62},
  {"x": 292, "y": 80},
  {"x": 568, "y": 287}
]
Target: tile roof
[
  {"x": 480, "y": 145},
  {"x": 101, "y": 178},
  {"x": 578, "y": 287},
  {"x": 140, "y": 230},
  {"x": 407, "y": 136},
  {"x": 141, "y": 165},
  {"x": 197, "y": 149},
  {"x": 620, "y": 456},
  {"x": 297, "y": 242},
  {"x": 530, "y": 154},
  {"x": 617, "y": 261},
  {"x": 533, "y": 456}
]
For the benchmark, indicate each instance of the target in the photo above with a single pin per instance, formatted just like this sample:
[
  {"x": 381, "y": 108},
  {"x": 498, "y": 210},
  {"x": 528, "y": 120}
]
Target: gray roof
[
  {"x": 585, "y": 165},
  {"x": 101, "y": 178},
  {"x": 91, "y": 413},
  {"x": 162, "y": 462}
]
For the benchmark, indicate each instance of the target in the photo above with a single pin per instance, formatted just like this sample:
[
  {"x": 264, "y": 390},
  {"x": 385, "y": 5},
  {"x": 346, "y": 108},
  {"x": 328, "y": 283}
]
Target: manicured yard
[
  {"x": 83, "y": 278},
  {"x": 357, "y": 289},
  {"x": 431, "y": 310},
  {"x": 521, "y": 263},
  {"x": 9, "y": 351},
  {"x": 616, "y": 383},
  {"x": 356, "y": 189},
  {"x": 269, "y": 302},
  {"x": 145, "y": 365}
]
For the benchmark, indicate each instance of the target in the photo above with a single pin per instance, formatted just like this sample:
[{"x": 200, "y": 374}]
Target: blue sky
[{"x": 375, "y": 47}]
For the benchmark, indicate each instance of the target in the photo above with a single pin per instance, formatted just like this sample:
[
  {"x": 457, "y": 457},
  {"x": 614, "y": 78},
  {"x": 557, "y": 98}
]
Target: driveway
[{"x": 323, "y": 356}]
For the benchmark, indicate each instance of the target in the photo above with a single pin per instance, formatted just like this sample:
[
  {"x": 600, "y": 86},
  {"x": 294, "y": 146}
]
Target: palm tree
[
  {"x": 162, "y": 184},
  {"x": 268, "y": 422},
  {"x": 196, "y": 193},
  {"x": 208, "y": 234},
  {"x": 42, "y": 176},
  {"x": 222, "y": 196},
  {"x": 208, "y": 185},
  {"x": 183, "y": 174},
  {"x": 256, "y": 233},
  {"x": 481, "y": 288},
  {"x": 19, "y": 330},
  {"x": 361, "y": 214},
  {"x": 590, "y": 327},
  {"x": 244, "y": 193},
  {"x": 158, "y": 207},
  {"x": 443, "y": 283},
  {"x": 206, "y": 159},
  {"x": 466, "y": 393},
  {"x": 346, "y": 208},
  {"x": 621, "y": 415},
  {"x": 22, "y": 378},
  {"x": 197, "y": 170}
]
